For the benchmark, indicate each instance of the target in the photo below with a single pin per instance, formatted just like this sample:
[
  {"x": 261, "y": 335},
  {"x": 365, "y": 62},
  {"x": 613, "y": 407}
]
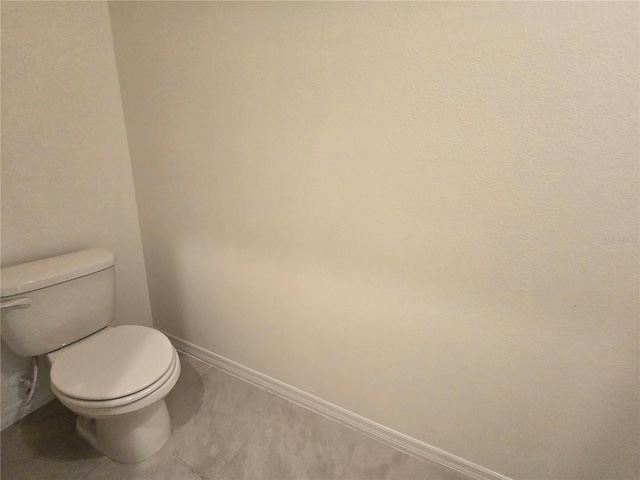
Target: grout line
[
  {"x": 191, "y": 467},
  {"x": 246, "y": 440},
  {"x": 353, "y": 456},
  {"x": 98, "y": 463}
]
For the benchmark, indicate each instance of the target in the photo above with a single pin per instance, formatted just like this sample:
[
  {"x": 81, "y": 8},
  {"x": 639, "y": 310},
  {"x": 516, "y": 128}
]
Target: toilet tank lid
[{"x": 31, "y": 276}]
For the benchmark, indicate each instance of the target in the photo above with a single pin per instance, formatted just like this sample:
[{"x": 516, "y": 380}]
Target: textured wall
[
  {"x": 66, "y": 174},
  {"x": 426, "y": 213}
]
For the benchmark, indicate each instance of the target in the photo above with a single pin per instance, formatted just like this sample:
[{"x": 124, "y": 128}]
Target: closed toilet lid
[{"x": 117, "y": 363}]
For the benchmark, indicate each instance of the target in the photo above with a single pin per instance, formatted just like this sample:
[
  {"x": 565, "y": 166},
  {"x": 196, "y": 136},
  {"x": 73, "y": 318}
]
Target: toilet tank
[{"x": 53, "y": 302}]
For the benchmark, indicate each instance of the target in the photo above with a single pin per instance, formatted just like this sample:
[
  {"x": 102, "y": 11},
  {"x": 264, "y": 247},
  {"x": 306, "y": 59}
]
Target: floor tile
[
  {"x": 373, "y": 460},
  {"x": 223, "y": 428},
  {"x": 45, "y": 444},
  {"x": 160, "y": 466},
  {"x": 220, "y": 421},
  {"x": 291, "y": 442}
]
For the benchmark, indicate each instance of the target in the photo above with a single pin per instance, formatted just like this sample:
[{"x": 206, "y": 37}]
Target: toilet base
[{"x": 129, "y": 438}]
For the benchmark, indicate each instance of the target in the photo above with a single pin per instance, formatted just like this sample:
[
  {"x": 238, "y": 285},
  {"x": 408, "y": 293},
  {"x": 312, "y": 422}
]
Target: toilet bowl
[
  {"x": 116, "y": 381},
  {"x": 114, "y": 378}
]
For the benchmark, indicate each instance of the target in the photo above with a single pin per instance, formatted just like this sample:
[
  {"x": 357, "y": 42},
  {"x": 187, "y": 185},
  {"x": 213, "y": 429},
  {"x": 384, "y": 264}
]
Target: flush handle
[{"x": 17, "y": 303}]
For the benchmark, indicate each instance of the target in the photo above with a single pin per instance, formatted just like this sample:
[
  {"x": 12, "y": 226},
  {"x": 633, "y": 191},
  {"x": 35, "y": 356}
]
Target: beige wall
[
  {"x": 66, "y": 174},
  {"x": 426, "y": 213}
]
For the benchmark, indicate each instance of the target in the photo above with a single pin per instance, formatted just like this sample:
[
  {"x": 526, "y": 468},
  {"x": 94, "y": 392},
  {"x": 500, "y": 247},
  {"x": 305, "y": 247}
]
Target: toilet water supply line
[{"x": 31, "y": 383}]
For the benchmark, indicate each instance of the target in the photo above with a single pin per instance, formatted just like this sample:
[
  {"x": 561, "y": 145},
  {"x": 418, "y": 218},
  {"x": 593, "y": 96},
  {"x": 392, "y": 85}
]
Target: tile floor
[{"x": 223, "y": 428}]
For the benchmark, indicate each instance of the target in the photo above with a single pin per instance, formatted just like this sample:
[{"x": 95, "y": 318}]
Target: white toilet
[{"x": 115, "y": 379}]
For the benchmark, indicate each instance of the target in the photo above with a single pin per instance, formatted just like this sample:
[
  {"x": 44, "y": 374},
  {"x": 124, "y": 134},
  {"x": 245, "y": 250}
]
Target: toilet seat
[
  {"x": 125, "y": 400},
  {"x": 128, "y": 405},
  {"x": 119, "y": 366}
]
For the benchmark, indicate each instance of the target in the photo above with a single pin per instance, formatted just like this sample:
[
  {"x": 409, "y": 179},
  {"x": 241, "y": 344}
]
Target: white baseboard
[{"x": 390, "y": 437}]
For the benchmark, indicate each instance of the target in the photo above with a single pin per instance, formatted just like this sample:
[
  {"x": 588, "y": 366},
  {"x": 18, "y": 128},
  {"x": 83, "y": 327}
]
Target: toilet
[{"x": 114, "y": 378}]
